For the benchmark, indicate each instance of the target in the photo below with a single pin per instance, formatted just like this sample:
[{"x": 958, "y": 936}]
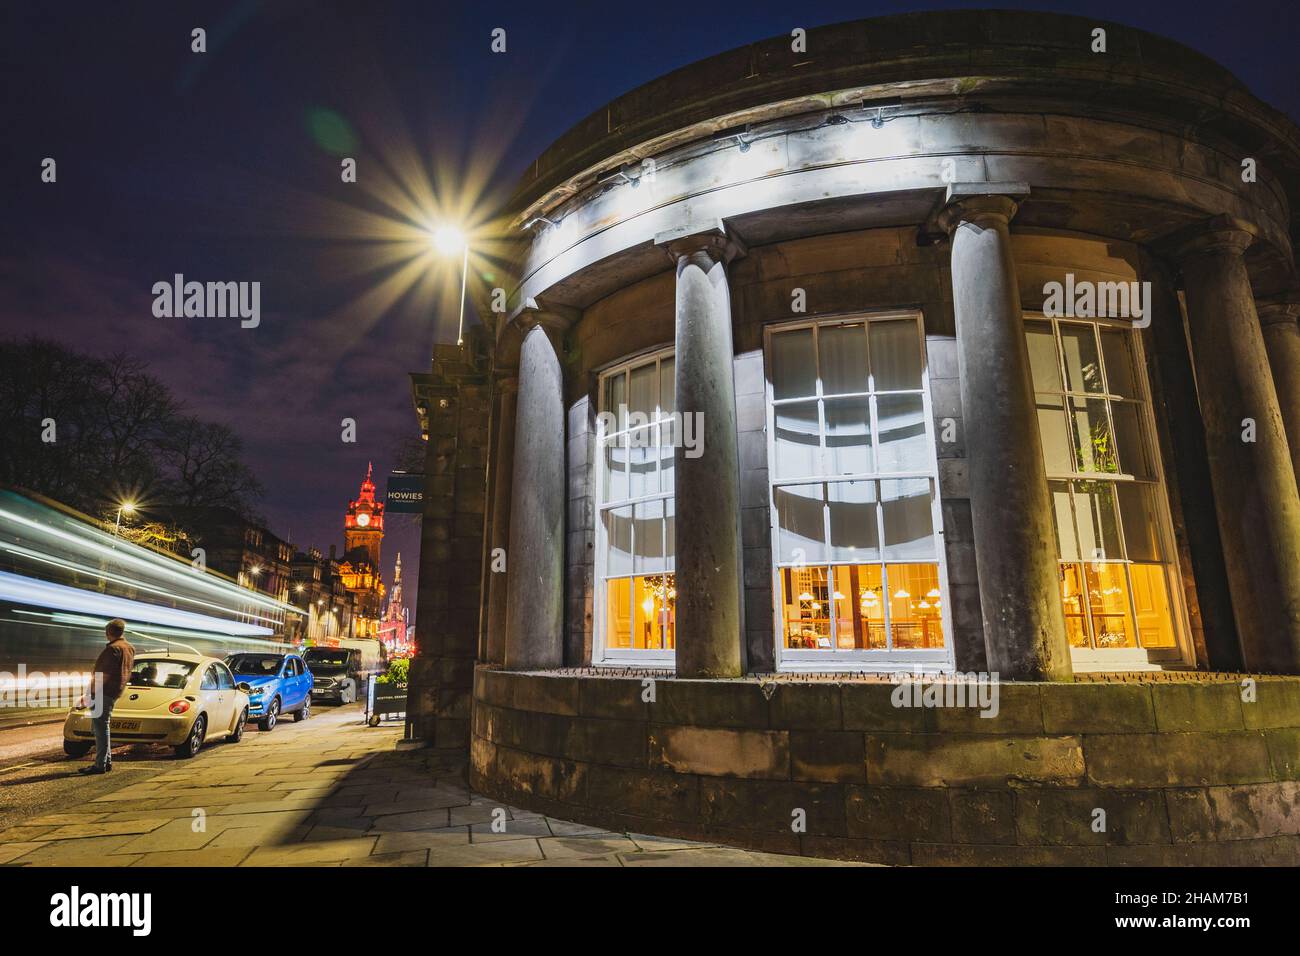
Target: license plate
[{"x": 126, "y": 725}]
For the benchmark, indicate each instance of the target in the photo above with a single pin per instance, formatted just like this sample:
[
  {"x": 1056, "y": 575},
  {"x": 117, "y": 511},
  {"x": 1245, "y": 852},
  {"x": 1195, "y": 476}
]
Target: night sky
[{"x": 224, "y": 166}]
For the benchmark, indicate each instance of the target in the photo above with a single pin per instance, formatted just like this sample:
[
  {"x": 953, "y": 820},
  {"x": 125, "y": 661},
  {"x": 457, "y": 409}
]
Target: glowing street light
[
  {"x": 447, "y": 240},
  {"x": 129, "y": 508}
]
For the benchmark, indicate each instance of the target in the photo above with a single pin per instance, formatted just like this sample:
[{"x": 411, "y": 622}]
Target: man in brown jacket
[{"x": 111, "y": 675}]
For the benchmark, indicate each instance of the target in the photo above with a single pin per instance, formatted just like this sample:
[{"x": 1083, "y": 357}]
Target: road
[{"x": 326, "y": 792}]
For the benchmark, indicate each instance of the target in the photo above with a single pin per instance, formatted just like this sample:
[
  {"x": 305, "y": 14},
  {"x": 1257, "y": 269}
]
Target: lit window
[
  {"x": 1107, "y": 498},
  {"x": 635, "y": 547},
  {"x": 857, "y": 561}
]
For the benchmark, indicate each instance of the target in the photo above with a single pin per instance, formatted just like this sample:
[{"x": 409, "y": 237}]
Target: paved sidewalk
[{"x": 328, "y": 792}]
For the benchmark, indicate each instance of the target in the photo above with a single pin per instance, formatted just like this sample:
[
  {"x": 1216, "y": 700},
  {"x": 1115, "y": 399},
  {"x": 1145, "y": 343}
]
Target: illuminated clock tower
[
  {"x": 363, "y": 530},
  {"x": 364, "y": 525}
]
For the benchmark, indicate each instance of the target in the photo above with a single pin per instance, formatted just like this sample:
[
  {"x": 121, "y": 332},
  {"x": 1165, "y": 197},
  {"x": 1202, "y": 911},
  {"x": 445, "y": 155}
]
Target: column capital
[
  {"x": 716, "y": 240},
  {"x": 1216, "y": 235},
  {"x": 555, "y": 319},
  {"x": 1279, "y": 310},
  {"x": 972, "y": 202}
]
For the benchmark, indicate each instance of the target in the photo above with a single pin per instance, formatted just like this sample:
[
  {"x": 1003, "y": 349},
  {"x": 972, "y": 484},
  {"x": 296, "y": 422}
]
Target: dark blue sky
[{"x": 224, "y": 166}]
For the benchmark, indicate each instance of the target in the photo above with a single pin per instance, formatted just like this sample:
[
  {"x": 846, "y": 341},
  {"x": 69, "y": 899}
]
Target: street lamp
[
  {"x": 129, "y": 508},
  {"x": 447, "y": 240}
]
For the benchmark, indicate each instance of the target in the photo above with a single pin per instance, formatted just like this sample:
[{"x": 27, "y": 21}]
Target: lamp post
[
  {"x": 129, "y": 508},
  {"x": 447, "y": 240}
]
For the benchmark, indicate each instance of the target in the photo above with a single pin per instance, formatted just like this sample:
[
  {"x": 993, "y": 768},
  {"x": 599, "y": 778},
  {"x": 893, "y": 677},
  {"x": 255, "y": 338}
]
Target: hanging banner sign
[{"x": 405, "y": 494}]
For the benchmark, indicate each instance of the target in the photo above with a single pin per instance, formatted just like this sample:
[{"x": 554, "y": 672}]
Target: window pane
[
  {"x": 796, "y": 441},
  {"x": 1108, "y": 605},
  {"x": 843, "y": 351},
  {"x": 1119, "y": 363},
  {"x": 670, "y": 533},
  {"x": 618, "y": 538},
  {"x": 855, "y": 534},
  {"x": 1138, "y": 515},
  {"x": 648, "y": 537},
  {"x": 615, "y": 469},
  {"x": 1054, "y": 427},
  {"x": 643, "y": 479},
  {"x": 667, "y": 386},
  {"x": 859, "y": 611},
  {"x": 895, "y": 355},
  {"x": 1155, "y": 619},
  {"x": 1082, "y": 366},
  {"x": 794, "y": 367},
  {"x": 909, "y": 530},
  {"x": 1094, "y": 513},
  {"x": 644, "y": 391},
  {"x": 914, "y": 605},
  {"x": 1076, "y": 625},
  {"x": 848, "y": 436},
  {"x": 1067, "y": 539},
  {"x": 1094, "y": 446},
  {"x": 1130, "y": 439},
  {"x": 902, "y": 443},
  {"x": 616, "y": 397},
  {"x": 667, "y": 455},
  {"x": 618, "y": 613},
  {"x": 800, "y": 522},
  {"x": 1043, "y": 366},
  {"x": 805, "y": 608},
  {"x": 654, "y": 602}
]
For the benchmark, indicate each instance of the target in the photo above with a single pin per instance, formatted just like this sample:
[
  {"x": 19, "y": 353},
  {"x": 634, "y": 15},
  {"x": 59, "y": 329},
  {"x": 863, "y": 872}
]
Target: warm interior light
[{"x": 900, "y": 593}]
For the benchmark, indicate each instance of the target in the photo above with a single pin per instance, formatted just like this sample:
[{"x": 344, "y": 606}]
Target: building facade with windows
[{"x": 949, "y": 345}]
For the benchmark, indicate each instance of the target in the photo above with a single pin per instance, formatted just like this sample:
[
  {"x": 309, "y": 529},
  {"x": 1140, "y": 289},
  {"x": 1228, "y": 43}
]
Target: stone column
[
  {"x": 502, "y": 483},
  {"x": 535, "y": 557},
  {"x": 709, "y": 616},
  {"x": 1282, "y": 343},
  {"x": 1015, "y": 540},
  {"x": 1250, "y": 460}
]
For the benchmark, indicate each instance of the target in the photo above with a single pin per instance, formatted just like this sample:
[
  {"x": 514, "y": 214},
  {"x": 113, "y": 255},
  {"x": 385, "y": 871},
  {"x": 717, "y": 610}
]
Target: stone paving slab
[{"x": 327, "y": 792}]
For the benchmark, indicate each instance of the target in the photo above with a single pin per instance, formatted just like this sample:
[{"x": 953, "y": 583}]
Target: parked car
[
  {"x": 277, "y": 684},
  {"x": 172, "y": 698},
  {"x": 336, "y": 673}
]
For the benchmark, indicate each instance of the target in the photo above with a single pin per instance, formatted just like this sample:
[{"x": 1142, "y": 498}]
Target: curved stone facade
[
  {"x": 982, "y": 482},
  {"x": 1185, "y": 772}
]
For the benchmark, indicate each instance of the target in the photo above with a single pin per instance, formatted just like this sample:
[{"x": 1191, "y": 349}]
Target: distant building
[
  {"x": 318, "y": 588},
  {"x": 363, "y": 532},
  {"x": 394, "y": 627}
]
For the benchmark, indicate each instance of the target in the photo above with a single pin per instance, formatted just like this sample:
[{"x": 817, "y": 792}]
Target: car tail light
[{"x": 178, "y": 706}]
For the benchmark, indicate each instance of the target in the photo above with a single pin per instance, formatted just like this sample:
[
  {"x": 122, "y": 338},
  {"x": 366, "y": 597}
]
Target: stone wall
[{"x": 1186, "y": 772}]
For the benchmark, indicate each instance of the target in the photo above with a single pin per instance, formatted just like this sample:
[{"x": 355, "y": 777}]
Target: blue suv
[{"x": 277, "y": 684}]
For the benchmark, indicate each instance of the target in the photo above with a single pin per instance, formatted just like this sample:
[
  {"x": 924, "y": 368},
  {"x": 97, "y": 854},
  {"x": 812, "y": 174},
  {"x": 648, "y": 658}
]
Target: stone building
[{"x": 952, "y": 344}]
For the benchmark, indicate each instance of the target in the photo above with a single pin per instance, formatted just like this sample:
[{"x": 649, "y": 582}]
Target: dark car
[
  {"x": 277, "y": 684},
  {"x": 336, "y": 673}
]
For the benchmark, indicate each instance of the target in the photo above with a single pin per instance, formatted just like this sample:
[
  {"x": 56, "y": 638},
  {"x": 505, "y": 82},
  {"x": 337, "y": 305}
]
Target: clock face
[{"x": 363, "y": 519}]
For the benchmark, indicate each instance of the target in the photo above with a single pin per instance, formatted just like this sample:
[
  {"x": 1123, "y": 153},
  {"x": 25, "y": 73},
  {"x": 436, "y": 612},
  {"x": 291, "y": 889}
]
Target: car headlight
[{"x": 256, "y": 691}]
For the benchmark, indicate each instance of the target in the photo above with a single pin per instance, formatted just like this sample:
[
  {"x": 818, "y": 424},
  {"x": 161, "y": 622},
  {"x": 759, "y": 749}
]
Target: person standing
[{"x": 112, "y": 672}]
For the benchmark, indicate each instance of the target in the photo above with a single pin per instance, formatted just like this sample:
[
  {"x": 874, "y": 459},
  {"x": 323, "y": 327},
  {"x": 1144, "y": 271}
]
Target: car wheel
[
  {"x": 76, "y": 748},
  {"x": 238, "y": 733},
  {"x": 303, "y": 712},
  {"x": 194, "y": 742},
  {"x": 272, "y": 716}
]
